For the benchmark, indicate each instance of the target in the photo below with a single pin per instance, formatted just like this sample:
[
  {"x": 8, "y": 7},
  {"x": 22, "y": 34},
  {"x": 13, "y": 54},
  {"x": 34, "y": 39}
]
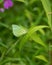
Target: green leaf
[
  {"x": 1, "y": 1},
  {"x": 21, "y": 1},
  {"x": 37, "y": 39},
  {"x": 32, "y": 1},
  {"x": 31, "y": 31},
  {"x": 47, "y": 7},
  {"x": 18, "y": 30},
  {"x": 3, "y": 45},
  {"x": 41, "y": 57},
  {"x": 9, "y": 59},
  {"x": 28, "y": 14}
]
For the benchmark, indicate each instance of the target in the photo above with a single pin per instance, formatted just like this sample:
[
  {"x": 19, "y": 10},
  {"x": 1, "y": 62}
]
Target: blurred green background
[{"x": 26, "y": 33}]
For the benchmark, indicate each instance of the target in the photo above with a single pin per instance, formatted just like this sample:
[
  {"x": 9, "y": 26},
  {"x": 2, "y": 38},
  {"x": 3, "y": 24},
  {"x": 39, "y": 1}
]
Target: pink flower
[{"x": 8, "y": 4}]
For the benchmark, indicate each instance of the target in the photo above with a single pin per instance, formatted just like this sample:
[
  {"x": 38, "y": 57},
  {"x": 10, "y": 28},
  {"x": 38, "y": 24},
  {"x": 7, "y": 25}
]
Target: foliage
[{"x": 26, "y": 33}]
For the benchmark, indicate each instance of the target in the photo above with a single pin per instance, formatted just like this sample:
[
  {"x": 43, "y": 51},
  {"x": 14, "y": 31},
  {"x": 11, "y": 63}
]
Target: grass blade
[{"x": 47, "y": 8}]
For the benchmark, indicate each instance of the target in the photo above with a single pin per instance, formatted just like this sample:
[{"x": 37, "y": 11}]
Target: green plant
[{"x": 26, "y": 33}]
